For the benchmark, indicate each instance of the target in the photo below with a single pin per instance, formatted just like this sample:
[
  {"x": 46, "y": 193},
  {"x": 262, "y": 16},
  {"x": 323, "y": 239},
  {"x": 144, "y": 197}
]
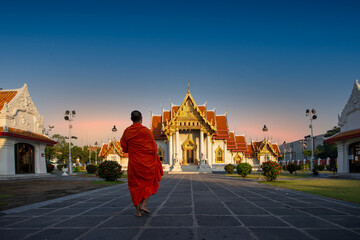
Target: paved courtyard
[{"x": 206, "y": 206}]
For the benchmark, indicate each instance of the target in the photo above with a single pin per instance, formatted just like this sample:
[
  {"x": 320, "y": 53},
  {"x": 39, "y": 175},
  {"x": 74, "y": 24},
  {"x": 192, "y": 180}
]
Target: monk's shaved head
[{"x": 136, "y": 116}]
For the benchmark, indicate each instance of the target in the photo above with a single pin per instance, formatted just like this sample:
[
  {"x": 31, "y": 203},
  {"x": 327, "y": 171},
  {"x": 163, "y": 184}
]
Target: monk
[{"x": 144, "y": 168}]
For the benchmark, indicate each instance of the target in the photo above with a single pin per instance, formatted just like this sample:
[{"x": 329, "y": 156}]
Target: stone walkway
[{"x": 187, "y": 207}]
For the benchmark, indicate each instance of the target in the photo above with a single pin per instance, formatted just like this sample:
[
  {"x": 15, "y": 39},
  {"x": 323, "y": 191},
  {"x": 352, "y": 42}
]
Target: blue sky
[{"x": 264, "y": 62}]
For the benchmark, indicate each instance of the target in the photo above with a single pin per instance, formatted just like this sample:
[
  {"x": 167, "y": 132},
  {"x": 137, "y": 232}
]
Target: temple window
[
  {"x": 219, "y": 155},
  {"x": 161, "y": 154}
]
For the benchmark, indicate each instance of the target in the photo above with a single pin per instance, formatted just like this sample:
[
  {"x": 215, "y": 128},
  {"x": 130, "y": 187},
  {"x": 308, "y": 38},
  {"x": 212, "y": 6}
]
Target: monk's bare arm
[{"x": 123, "y": 143}]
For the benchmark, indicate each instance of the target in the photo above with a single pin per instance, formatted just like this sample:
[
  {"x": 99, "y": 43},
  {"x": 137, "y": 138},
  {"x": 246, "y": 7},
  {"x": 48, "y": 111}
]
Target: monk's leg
[
  {"x": 143, "y": 205},
  {"x": 138, "y": 211}
]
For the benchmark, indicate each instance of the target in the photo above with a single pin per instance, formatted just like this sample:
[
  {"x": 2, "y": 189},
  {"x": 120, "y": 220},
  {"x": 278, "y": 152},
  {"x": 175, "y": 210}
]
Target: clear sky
[{"x": 264, "y": 62}]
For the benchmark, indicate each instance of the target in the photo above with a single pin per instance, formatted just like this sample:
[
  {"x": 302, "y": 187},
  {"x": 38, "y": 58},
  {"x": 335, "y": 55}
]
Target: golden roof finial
[{"x": 188, "y": 86}]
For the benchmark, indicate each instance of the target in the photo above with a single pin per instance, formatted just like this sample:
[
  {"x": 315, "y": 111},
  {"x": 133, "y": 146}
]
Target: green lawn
[
  {"x": 107, "y": 182},
  {"x": 3, "y": 196},
  {"x": 347, "y": 190},
  {"x": 261, "y": 177}
]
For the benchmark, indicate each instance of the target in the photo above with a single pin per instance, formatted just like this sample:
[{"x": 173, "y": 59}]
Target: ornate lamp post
[
  {"x": 265, "y": 129},
  {"x": 284, "y": 159},
  {"x": 312, "y": 116},
  {"x": 114, "y": 130},
  {"x": 96, "y": 144},
  {"x": 69, "y": 117}
]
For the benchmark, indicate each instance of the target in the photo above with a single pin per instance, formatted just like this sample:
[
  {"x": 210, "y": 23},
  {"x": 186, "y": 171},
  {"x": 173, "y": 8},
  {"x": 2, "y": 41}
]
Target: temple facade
[
  {"x": 22, "y": 142},
  {"x": 192, "y": 138},
  {"x": 348, "y": 139},
  {"x": 112, "y": 151}
]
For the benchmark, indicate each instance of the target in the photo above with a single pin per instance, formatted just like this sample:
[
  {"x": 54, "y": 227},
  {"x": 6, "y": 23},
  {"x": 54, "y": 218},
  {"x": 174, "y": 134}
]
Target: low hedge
[
  {"x": 230, "y": 168},
  {"x": 91, "y": 169},
  {"x": 49, "y": 167},
  {"x": 243, "y": 169},
  {"x": 109, "y": 170}
]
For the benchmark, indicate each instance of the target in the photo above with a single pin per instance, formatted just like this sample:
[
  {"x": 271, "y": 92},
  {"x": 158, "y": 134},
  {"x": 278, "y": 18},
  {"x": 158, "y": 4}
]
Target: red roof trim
[{"x": 50, "y": 142}]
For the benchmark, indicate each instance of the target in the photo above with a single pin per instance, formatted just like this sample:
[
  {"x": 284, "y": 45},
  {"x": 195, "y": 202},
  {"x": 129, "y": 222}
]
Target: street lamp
[
  {"x": 114, "y": 130},
  {"x": 96, "y": 144},
  {"x": 284, "y": 146},
  {"x": 312, "y": 116},
  {"x": 265, "y": 129},
  {"x": 69, "y": 117}
]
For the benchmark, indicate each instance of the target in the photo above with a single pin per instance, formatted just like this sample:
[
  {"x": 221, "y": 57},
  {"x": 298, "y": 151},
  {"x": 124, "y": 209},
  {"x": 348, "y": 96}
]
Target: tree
[
  {"x": 49, "y": 153},
  {"x": 333, "y": 131},
  {"x": 76, "y": 152},
  {"x": 326, "y": 151},
  {"x": 307, "y": 153}
]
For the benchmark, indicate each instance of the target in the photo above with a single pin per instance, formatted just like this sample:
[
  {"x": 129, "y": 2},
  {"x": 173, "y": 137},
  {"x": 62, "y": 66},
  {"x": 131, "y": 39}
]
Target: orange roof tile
[
  {"x": 109, "y": 149},
  {"x": 17, "y": 133},
  {"x": 202, "y": 109},
  {"x": 231, "y": 144},
  {"x": 156, "y": 123},
  {"x": 174, "y": 110},
  {"x": 250, "y": 152},
  {"x": 6, "y": 97},
  {"x": 211, "y": 116},
  {"x": 166, "y": 116},
  {"x": 221, "y": 123},
  {"x": 276, "y": 148},
  {"x": 241, "y": 145},
  {"x": 222, "y": 129},
  {"x": 156, "y": 128}
]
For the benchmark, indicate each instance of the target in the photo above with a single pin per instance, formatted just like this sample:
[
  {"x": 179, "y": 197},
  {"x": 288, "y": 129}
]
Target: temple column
[
  {"x": 201, "y": 145},
  {"x": 177, "y": 144},
  {"x": 171, "y": 149},
  {"x": 225, "y": 150},
  {"x": 208, "y": 147},
  {"x": 212, "y": 152}
]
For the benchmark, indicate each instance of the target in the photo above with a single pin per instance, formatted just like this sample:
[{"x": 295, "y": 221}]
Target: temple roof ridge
[
  {"x": 15, "y": 89},
  {"x": 352, "y": 104}
]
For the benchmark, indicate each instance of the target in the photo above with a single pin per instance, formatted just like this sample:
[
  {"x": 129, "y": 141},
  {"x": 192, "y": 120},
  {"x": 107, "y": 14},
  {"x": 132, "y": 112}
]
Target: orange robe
[{"x": 144, "y": 167}]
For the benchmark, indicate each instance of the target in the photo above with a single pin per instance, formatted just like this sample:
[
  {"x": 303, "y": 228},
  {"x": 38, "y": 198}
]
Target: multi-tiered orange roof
[{"x": 219, "y": 124}]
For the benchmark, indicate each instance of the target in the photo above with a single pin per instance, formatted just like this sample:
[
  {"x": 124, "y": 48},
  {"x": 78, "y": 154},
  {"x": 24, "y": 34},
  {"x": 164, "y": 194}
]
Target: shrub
[
  {"x": 315, "y": 170},
  {"x": 49, "y": 167},
  {"x": 82, "y": 167},
  {"x": 284, "y": 167},
  {"x": 61, "y": 166},
  {"x": 302, "y": 167},
  {"x": 328, "y": 167},
  {"x": 271, "y": 170},
  {"x": 229, "y": 168},
  {"x": 291, "y": 167},
  {"x": 321, "y": 167},
  {"x": 109, "y": 170},
  {"x": 91, "y": 169},
  {"x": 77, "y": 169},
  {"x": 244, "y": 169}
]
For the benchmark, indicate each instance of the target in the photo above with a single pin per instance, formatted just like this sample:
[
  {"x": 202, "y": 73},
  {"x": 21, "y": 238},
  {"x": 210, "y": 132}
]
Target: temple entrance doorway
[
  {"x": 189, "y": 148},
  {"x": 354, "y": 157},
  {"x": 237, "y": 159},
  {"x": 24, "y": 158}
]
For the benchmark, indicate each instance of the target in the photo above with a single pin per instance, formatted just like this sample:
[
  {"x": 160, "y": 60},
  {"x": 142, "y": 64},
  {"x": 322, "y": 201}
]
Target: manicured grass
[
  {"x": 108, "y": 182},
  {"x": 261, "y": 178},
  {"x": 348, "y": 190},
  {"x": 3, "y": 196}
]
